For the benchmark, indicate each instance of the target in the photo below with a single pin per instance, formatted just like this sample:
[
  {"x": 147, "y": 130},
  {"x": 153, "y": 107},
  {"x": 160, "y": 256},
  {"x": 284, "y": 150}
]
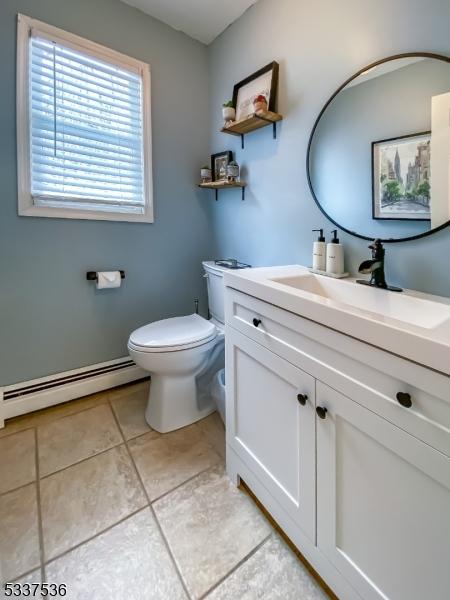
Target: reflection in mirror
[{"x": 379, "y": 159}]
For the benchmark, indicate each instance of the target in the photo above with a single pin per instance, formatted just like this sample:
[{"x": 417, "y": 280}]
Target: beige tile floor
[{"x": 92, "y": 497}]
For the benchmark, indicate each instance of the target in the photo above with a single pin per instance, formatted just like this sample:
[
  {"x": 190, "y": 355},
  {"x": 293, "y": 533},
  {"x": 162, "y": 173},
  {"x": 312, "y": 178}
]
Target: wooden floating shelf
[
  {"x": 223, "y": 185},
  {"x": 220, "y": 185},
  {"x": 252, "y": 123}
]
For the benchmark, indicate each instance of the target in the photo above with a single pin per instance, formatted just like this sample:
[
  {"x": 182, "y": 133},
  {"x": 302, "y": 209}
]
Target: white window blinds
[{"x": 86, "y": 130}]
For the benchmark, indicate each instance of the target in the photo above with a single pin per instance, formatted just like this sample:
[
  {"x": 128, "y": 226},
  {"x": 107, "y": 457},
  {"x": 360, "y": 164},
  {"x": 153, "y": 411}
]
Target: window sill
[{"x": 91, "y": 215}]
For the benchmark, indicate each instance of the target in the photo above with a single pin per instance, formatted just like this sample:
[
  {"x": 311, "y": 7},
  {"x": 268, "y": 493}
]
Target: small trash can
[{"x": 218, "y": 392}]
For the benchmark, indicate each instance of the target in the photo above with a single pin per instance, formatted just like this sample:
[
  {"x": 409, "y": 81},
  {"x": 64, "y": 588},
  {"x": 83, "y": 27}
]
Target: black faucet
[{"x": 376, "y": 269}]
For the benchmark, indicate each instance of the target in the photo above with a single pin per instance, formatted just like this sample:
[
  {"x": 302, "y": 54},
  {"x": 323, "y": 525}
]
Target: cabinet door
[
  {"x": 383, "y": 510},
  {"x": 269, "y": 427}
]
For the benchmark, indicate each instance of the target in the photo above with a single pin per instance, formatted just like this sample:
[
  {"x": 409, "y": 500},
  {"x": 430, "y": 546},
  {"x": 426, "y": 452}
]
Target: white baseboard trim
[{"x": 28, "y": 396}]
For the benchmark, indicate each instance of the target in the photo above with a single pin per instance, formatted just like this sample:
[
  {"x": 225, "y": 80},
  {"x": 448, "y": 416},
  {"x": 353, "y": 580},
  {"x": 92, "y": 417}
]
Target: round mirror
[{"x": 379, "y": 154}]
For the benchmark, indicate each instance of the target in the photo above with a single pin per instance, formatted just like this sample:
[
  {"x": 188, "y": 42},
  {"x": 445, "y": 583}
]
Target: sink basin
[
  {"x": 381, "y": 304},
  {"x": 410, "y": 324}
]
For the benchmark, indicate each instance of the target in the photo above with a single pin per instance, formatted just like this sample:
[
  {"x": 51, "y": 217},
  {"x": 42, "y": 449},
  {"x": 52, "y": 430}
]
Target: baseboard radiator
[{"x": 28, "y": 396}]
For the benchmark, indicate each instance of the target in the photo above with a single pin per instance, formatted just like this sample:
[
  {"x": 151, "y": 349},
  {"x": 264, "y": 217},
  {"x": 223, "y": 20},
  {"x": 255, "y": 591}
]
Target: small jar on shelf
[
  {"x": 233, "y": 172},
  {"x": 205, "y": 175}
]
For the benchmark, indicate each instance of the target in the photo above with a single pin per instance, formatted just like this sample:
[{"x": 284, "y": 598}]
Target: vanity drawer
[{"x": 368, "y": 375}]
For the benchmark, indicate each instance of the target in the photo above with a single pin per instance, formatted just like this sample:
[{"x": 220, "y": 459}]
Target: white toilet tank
[
  {"x": 216, "y": 289},
  {"x": 214, "y": 278}
]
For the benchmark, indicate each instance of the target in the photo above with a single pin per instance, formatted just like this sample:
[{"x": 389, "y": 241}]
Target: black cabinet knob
[
  {"x": 302, "y": 398},
  {"x": 404, "y": 399},
  {"x": 321, "y": 412},
  {"x": 256, "y": 322}
]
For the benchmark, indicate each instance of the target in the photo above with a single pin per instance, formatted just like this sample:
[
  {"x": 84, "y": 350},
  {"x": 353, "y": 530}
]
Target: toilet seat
[{"x": 170, "y": 335}]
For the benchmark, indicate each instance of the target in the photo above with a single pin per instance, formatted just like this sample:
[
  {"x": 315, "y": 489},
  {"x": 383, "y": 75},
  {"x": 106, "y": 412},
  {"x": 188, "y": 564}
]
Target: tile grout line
[
  {"x": 78, "y": 462},
  {"x": 151, "y": 502},
  {"x": 158, "y": 525},
  {"x": 116, "y": 420},
  {"x": 69, "y": 550},
  {"x": 170, "y": 553},
  {"x": 127, "y": 391},
  {"x": 122, "y": 443},
  {"x": 280, "y": 533},
  {"x": 236, "y": 567},
  {"x": 49, "y": 408},
  {"x": 105, "y": 392},
  {"x": 187, "y": 480},
  {"x": 93, "y": 537},
  {"x": 39, "y": 506},
  {"x": 16, "y": 489},
  {"x": 141, "y": 435},
  {"x": 126, "y": 443},
  {"x": 150, "y": 430},
  {"x": 105, "y": 403},
  {"x": 64, "y": 468},
  {"x": 163, "y": 537},
  {"x": 26, "y": 573},
  {"x": 220, "y": 459}
]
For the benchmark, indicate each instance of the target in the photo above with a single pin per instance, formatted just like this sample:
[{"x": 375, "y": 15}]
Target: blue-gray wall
[
  {"x": 318, "y": 45},
  {"x": 51, "y": 318}
]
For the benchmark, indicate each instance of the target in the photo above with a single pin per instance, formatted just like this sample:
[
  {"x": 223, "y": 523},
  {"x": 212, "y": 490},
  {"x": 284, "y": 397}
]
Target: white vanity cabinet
[{"x": 359, "y": 481}]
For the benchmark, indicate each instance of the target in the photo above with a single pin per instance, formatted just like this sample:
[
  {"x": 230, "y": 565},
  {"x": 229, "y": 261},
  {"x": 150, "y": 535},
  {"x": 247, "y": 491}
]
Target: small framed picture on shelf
[
  {"x": 219, "y": 163},
  {"x": 262, "y": 83}
]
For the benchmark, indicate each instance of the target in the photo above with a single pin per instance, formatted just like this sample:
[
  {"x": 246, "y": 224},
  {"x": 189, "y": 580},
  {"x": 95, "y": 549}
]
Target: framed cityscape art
[{"x": 401, "y": 178}]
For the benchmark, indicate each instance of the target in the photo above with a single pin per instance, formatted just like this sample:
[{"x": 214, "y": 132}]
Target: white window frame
[{"x": 26, "y": 205}]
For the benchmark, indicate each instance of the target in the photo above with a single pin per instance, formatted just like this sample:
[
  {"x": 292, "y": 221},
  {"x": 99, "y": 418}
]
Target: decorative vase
[
  {"x": 233, "y": 171},
  {"x": 228, "y": 114},
  {"x": 205, "y": 175}
]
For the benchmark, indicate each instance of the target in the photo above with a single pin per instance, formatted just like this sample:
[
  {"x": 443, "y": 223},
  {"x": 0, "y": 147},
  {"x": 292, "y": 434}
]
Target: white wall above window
[
  {"x": 203, "y": 20},
  {"x": 83, "y": 128}
]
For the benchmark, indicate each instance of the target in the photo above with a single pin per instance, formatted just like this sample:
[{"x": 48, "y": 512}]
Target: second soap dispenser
[{"x": 335, "y": 255}]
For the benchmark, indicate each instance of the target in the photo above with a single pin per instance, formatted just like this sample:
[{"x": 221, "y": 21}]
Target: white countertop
[{"x": 410, "y": 324}]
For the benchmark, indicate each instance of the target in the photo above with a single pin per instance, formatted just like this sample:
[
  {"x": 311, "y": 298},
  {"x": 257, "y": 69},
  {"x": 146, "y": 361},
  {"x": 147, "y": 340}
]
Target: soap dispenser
[
  {"x": 319, "y": 252},
  {"x": 335, "y": 255}
]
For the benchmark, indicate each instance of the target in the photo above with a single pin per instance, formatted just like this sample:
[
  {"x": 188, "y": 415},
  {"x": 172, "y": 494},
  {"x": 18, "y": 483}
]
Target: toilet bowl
[
  {"x": 182, "y": 355},
  {"x": 179, "y": 353}
]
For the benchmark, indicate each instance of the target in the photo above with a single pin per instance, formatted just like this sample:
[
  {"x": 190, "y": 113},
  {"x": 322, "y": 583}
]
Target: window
[{"x": 83, "y": 128}]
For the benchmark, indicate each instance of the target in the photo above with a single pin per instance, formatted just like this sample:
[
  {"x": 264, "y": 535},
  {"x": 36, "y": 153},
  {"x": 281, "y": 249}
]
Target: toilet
[{"x": 182, "y": 355}]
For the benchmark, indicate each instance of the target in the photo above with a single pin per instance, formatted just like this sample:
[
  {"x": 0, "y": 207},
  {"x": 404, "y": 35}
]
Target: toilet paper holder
[{"x": 92, "y": 275}]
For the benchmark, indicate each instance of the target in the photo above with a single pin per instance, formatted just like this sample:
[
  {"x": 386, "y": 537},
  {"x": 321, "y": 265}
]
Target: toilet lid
[{"x": 176, "y": 333}]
